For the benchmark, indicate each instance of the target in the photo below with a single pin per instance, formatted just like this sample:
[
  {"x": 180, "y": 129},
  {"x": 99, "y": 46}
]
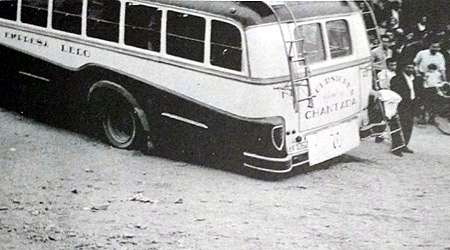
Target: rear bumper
[{"x": 275, "y": 165}]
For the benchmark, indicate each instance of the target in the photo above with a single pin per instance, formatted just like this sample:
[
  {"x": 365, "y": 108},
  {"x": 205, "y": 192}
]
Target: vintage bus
[{"x": 275, "y": 84}]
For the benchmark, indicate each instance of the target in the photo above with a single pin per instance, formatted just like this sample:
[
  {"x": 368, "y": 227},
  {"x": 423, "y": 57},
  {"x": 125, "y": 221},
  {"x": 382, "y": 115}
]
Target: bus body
[{"x": 211, "y": 74}]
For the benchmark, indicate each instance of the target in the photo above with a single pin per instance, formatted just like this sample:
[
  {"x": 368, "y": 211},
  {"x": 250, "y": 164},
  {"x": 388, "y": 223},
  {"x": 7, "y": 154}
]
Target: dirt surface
[{"x": 64, "y": 190}]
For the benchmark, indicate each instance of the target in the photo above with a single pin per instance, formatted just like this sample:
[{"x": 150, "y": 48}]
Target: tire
[
  {"x": 442, "y": 124},
  {"x": 121, "y": 125}
]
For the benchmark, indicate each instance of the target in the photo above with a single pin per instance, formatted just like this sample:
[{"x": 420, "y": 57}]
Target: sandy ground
[{"x": 64, "y": 190}]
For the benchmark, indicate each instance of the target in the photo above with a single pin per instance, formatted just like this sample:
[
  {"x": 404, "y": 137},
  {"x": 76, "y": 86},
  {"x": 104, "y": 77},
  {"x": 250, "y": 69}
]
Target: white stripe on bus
[
  {"x": 34, "y": 76},
  {"x": 179, "y": 118}
]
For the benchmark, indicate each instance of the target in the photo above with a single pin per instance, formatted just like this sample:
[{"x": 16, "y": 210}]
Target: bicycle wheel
[{"x": 443, "y": 124}]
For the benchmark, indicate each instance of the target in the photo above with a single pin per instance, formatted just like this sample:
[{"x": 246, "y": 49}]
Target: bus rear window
[
  {"x": 313, "y": 42},
  {"x": 143, "y": 27},
  {"x": 226, "y": 51},
  {"x": 186, "y": 36},
  {"x": 103, "y": 19},
  {"x": 67, "y": 15},
  {"x": 8, "y": 10},
  {"x": 35, "y": 12},
  {"x": 339, "y": 38}
]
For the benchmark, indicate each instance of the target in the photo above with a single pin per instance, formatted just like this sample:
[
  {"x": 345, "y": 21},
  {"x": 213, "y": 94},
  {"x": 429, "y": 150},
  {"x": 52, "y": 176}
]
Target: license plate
[
  {"x": 334, "y": 141},
  {"x": 298, "y": 147}
]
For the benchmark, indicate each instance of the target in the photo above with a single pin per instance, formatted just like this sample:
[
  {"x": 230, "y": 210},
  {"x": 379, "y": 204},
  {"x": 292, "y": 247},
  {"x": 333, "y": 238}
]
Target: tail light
[{"x": 278, "y": 136}]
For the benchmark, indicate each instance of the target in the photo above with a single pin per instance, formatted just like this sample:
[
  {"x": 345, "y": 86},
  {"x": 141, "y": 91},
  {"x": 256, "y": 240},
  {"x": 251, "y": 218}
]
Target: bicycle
[{"x": 442, "y": 119}]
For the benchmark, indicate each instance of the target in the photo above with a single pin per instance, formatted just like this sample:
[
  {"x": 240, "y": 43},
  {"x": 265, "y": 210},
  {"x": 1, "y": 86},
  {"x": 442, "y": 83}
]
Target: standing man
[
  {"x": 384, "y": 82},
  {"x": 403, "y": 83},
  {"x": 429, "y": 56},
  {"x": 422, "y": 60},
  {"x": 382, "y": 52},
  {"x": 385, "y": 75}
]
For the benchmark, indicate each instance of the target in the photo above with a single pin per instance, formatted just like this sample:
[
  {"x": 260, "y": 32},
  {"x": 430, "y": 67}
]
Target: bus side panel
[
  {"x": 177, "y": 120},
  {"x": 223, "y": 133}
]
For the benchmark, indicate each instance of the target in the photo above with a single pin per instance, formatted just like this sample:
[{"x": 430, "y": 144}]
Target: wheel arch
[{"x": 105, "y": 85}]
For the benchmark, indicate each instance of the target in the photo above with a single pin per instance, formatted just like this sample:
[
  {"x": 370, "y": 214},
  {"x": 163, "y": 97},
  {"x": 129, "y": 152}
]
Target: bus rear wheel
[{"x": 121, "y": 126}]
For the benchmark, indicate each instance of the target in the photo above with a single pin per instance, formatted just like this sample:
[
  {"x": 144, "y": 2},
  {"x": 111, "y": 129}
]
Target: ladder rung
[
  {"x": 295, "y": 41},
  {"x": 370, "y": 29},
  {"x": 300, "y": 59},
  {"x": 366, "y": 12},
  {"x": 382, "y": 123},
  {"x": 302, "y": 67},
  {"x": 306, "y": 98},
  {"x": 395, "y": 131},
  {"x": 301, "y": 79},
  {"x": 301, "y": 85}
]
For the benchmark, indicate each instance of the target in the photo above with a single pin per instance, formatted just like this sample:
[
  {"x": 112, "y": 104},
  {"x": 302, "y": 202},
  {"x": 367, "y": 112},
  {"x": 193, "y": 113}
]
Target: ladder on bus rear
[
  {"x": 299, "y": 71},
  {"x": 394, "y": 123},
  {"x": 373, "y": 29}
]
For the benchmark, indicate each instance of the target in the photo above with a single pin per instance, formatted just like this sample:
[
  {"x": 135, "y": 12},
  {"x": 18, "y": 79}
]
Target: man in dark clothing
[{"x": 404, "y": 84}]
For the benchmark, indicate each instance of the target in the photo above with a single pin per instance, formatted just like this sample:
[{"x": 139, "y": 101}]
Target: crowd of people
[{"x": 413, "y": 58}]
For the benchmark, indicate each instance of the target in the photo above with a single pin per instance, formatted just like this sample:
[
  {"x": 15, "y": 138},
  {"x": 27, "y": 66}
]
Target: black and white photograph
[{"x": 167, "y": 124}]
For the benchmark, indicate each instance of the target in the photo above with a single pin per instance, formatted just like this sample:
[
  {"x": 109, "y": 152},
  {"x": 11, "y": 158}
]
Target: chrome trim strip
[
  {"x": 269, "y": 170},
  {"x": 34, "y": 76},
  {"x": 179, "y": 118},
  {"x": 300, "y": 163},
  {"x": 287, "y": 158},
  {"x": 276, "y": 171}
]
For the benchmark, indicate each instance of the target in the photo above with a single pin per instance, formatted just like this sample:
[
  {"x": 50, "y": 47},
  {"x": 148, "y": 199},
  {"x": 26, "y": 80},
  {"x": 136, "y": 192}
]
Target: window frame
[
  {"x": 18, "y": 3},
  {"x": 206, "y": 64},
  {"x": 205, "y": 43},
  {"x": 82, "y": 17},
  {"x": 352, "y": 50},
  {"x": 49, "y": 15},
  {"x": 120, "y": 23},
  {"x": 326, "y": 40},
  {"x": 323, "y": 36},
  {"x": 162, "y": 28},
  {"x": 243, "y": 52}
]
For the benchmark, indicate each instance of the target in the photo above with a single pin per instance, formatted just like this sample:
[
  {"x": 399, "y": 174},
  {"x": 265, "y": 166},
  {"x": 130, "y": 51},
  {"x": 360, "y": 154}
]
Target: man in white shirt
[
  {"x": 422, "y": 60},
  {"x": 385, "y": 75},
  {"x": 384, "y": 78},
  {"x": 429, "y": 56},
  {"x": 380, "y": 54}
]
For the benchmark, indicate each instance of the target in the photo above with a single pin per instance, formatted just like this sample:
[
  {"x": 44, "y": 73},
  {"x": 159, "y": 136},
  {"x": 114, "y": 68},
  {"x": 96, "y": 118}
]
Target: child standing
[{"x": 432, "y": 80}]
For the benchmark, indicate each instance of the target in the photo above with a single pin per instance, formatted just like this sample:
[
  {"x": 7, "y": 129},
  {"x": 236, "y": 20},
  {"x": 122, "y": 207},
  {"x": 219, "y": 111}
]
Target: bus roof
[{"x": 250, "y": 13}]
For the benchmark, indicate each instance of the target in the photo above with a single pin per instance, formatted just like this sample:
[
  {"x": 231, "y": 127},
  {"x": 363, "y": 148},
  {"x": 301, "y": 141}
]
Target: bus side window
[
  {"x": 8, "y": 9},
  {"x": 226, "y": 47},
  {"x": 313, "y": 42},
  {"x": 103, "y": 19},
  {"x": 186, "y": 36},
  {"x": 339, "y": 38},
  {"x": 67, "y": 15},
  {"x": 35, "y": 12},
  {"x": 143, "y": 27}
]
